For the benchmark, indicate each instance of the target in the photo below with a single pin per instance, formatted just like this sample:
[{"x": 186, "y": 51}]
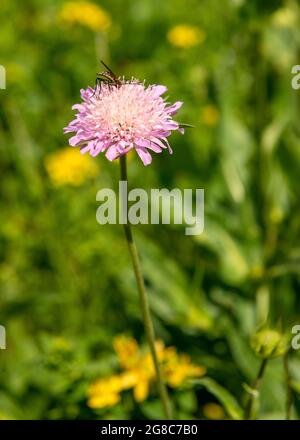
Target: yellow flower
[
  {"x": 210, "y": 115},
  {"x": 127, "y": 350},
  {"x": 61, "y": 344},
  {"x": 111, "y": 385},
  {"x": 213, "y": 411},
  {"x": 180, "y": 368},
  {"x": 276, "y": 215},
  {"x": 284, "y": 17},
  {"x": 128, "y": 380},
  {"x": 105, "y": 392},
  {"x": 256, "y": 271},
  {"x": 69, "y": 166},
  {"x": 139, "y": 372},
  {"x": 104, "y": 400},
  {"x": 85, "y": 13},
  {"x": 141, "y": 390},
  {"x": 185, "y": 36}
]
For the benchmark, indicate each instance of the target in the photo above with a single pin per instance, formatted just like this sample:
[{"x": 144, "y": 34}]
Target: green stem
[
  {"x": 255, "y": 389},
  {"x": 145, "y": 303}
]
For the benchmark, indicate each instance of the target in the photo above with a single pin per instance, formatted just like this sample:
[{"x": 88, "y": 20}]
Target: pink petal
[
  {"x": 96, "y": 148},
  {"x": 85, "y": 149},
  {"x": 75, "y": 140},
  {"x": 144, "y": 155},
  {"x": 173, "y": 108},
  {"x": 167, "y": 142},
  {"x": 143, "y": 143},
  {"x": 171, "y": 125},
  {"x": 158, "y": 142},
  {"x": 152, "y": 146},
  {"x": 159, "y": 90},
  {"x": 112, "y": 153},
  {"x": 121, "y": 146},
  {"x": 78, "y": 107},
  {"x": 86, "y": 94},
  {"x": 69, "y": 129}
]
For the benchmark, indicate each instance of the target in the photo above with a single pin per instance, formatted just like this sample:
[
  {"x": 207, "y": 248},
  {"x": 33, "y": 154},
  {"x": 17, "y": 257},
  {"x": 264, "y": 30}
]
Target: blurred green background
[{"x": 66, "y": 283}]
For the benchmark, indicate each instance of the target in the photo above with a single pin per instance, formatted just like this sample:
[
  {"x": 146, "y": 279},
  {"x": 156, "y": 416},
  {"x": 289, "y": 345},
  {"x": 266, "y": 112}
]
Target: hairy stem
[{"x": 144, "y": 303}]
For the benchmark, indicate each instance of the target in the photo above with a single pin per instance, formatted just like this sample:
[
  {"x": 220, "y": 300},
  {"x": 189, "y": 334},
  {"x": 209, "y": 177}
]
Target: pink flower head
[{"x": 115, "y": 119}]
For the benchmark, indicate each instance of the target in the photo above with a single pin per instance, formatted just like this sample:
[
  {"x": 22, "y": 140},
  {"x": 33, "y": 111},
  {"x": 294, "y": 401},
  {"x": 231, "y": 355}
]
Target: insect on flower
[
  {"x": 119, "y": 115},
  {"x": 107, "y": 77}
]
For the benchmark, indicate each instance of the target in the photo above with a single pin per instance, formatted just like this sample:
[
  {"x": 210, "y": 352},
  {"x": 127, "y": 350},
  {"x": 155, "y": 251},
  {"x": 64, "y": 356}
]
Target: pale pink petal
[
  {"x": 144, "y": 155},
  {"x": 143, "y": 143},
  {"x": 86, "y": 94},
  {"x": 174, "y": 108},
  {"x": 169, "y": 147},
  {"x": 159, "y": 90},
  {"x": 152, "y": 146},
  {"x": 112, "y": 153},
  {"x": 84, "y": 149},
  {"x": 75, "y": 140},
  {"x": 158, "y": 142}
]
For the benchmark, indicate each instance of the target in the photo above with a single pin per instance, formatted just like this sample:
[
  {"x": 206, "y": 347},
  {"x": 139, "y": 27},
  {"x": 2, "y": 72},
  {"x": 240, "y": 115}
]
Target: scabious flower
[
  {"x": 138, "y": 372},
  {"x": 86, "y": 14},
  {"x": 117, "y": 119},
  {"x": 185, "y": 36},
  {"x": 68, "y": 167}
]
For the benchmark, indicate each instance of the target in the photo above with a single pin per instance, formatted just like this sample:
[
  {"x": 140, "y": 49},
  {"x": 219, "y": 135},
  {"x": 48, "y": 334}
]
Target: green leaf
[
  {"x": 234, "y": 267},
  {"x": 225, "y": 398}
]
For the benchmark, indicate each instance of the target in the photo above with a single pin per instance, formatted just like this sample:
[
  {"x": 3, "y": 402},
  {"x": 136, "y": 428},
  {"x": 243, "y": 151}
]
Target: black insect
[{"x": 106, "y": 77}]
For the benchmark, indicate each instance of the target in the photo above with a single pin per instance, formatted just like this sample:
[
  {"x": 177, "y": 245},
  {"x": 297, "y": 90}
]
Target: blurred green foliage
[{"x": 66, "y": 284}]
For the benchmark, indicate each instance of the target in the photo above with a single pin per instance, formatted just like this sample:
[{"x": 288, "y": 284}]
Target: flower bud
[{"x": 268, "y": 343}]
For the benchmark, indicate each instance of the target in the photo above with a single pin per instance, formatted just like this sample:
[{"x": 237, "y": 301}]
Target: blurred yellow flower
[
  {"x": 85, "y": 13},
  {"x": 276, "y": 215},
  {"x": 185, "y": 36},
  {"x": 178, "y": 368},
  {"x": 141, "y": 390},
  {"x": 210, "y": 115},
  {"x": 284, "y": 17},
  {"x": 256, "y": 271},
  {"x": 127, "y": 350},
  {"x": 213, "y": 411},
  {"x": 138, "y": 372},
  {"x": 69, "y": 166},
  {"x": 61, "y": 344},
  {"x": 104, "y": 393}
]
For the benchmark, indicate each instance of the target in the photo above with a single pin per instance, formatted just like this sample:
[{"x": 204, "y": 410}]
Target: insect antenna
[{"x": 107, "y": 68}]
